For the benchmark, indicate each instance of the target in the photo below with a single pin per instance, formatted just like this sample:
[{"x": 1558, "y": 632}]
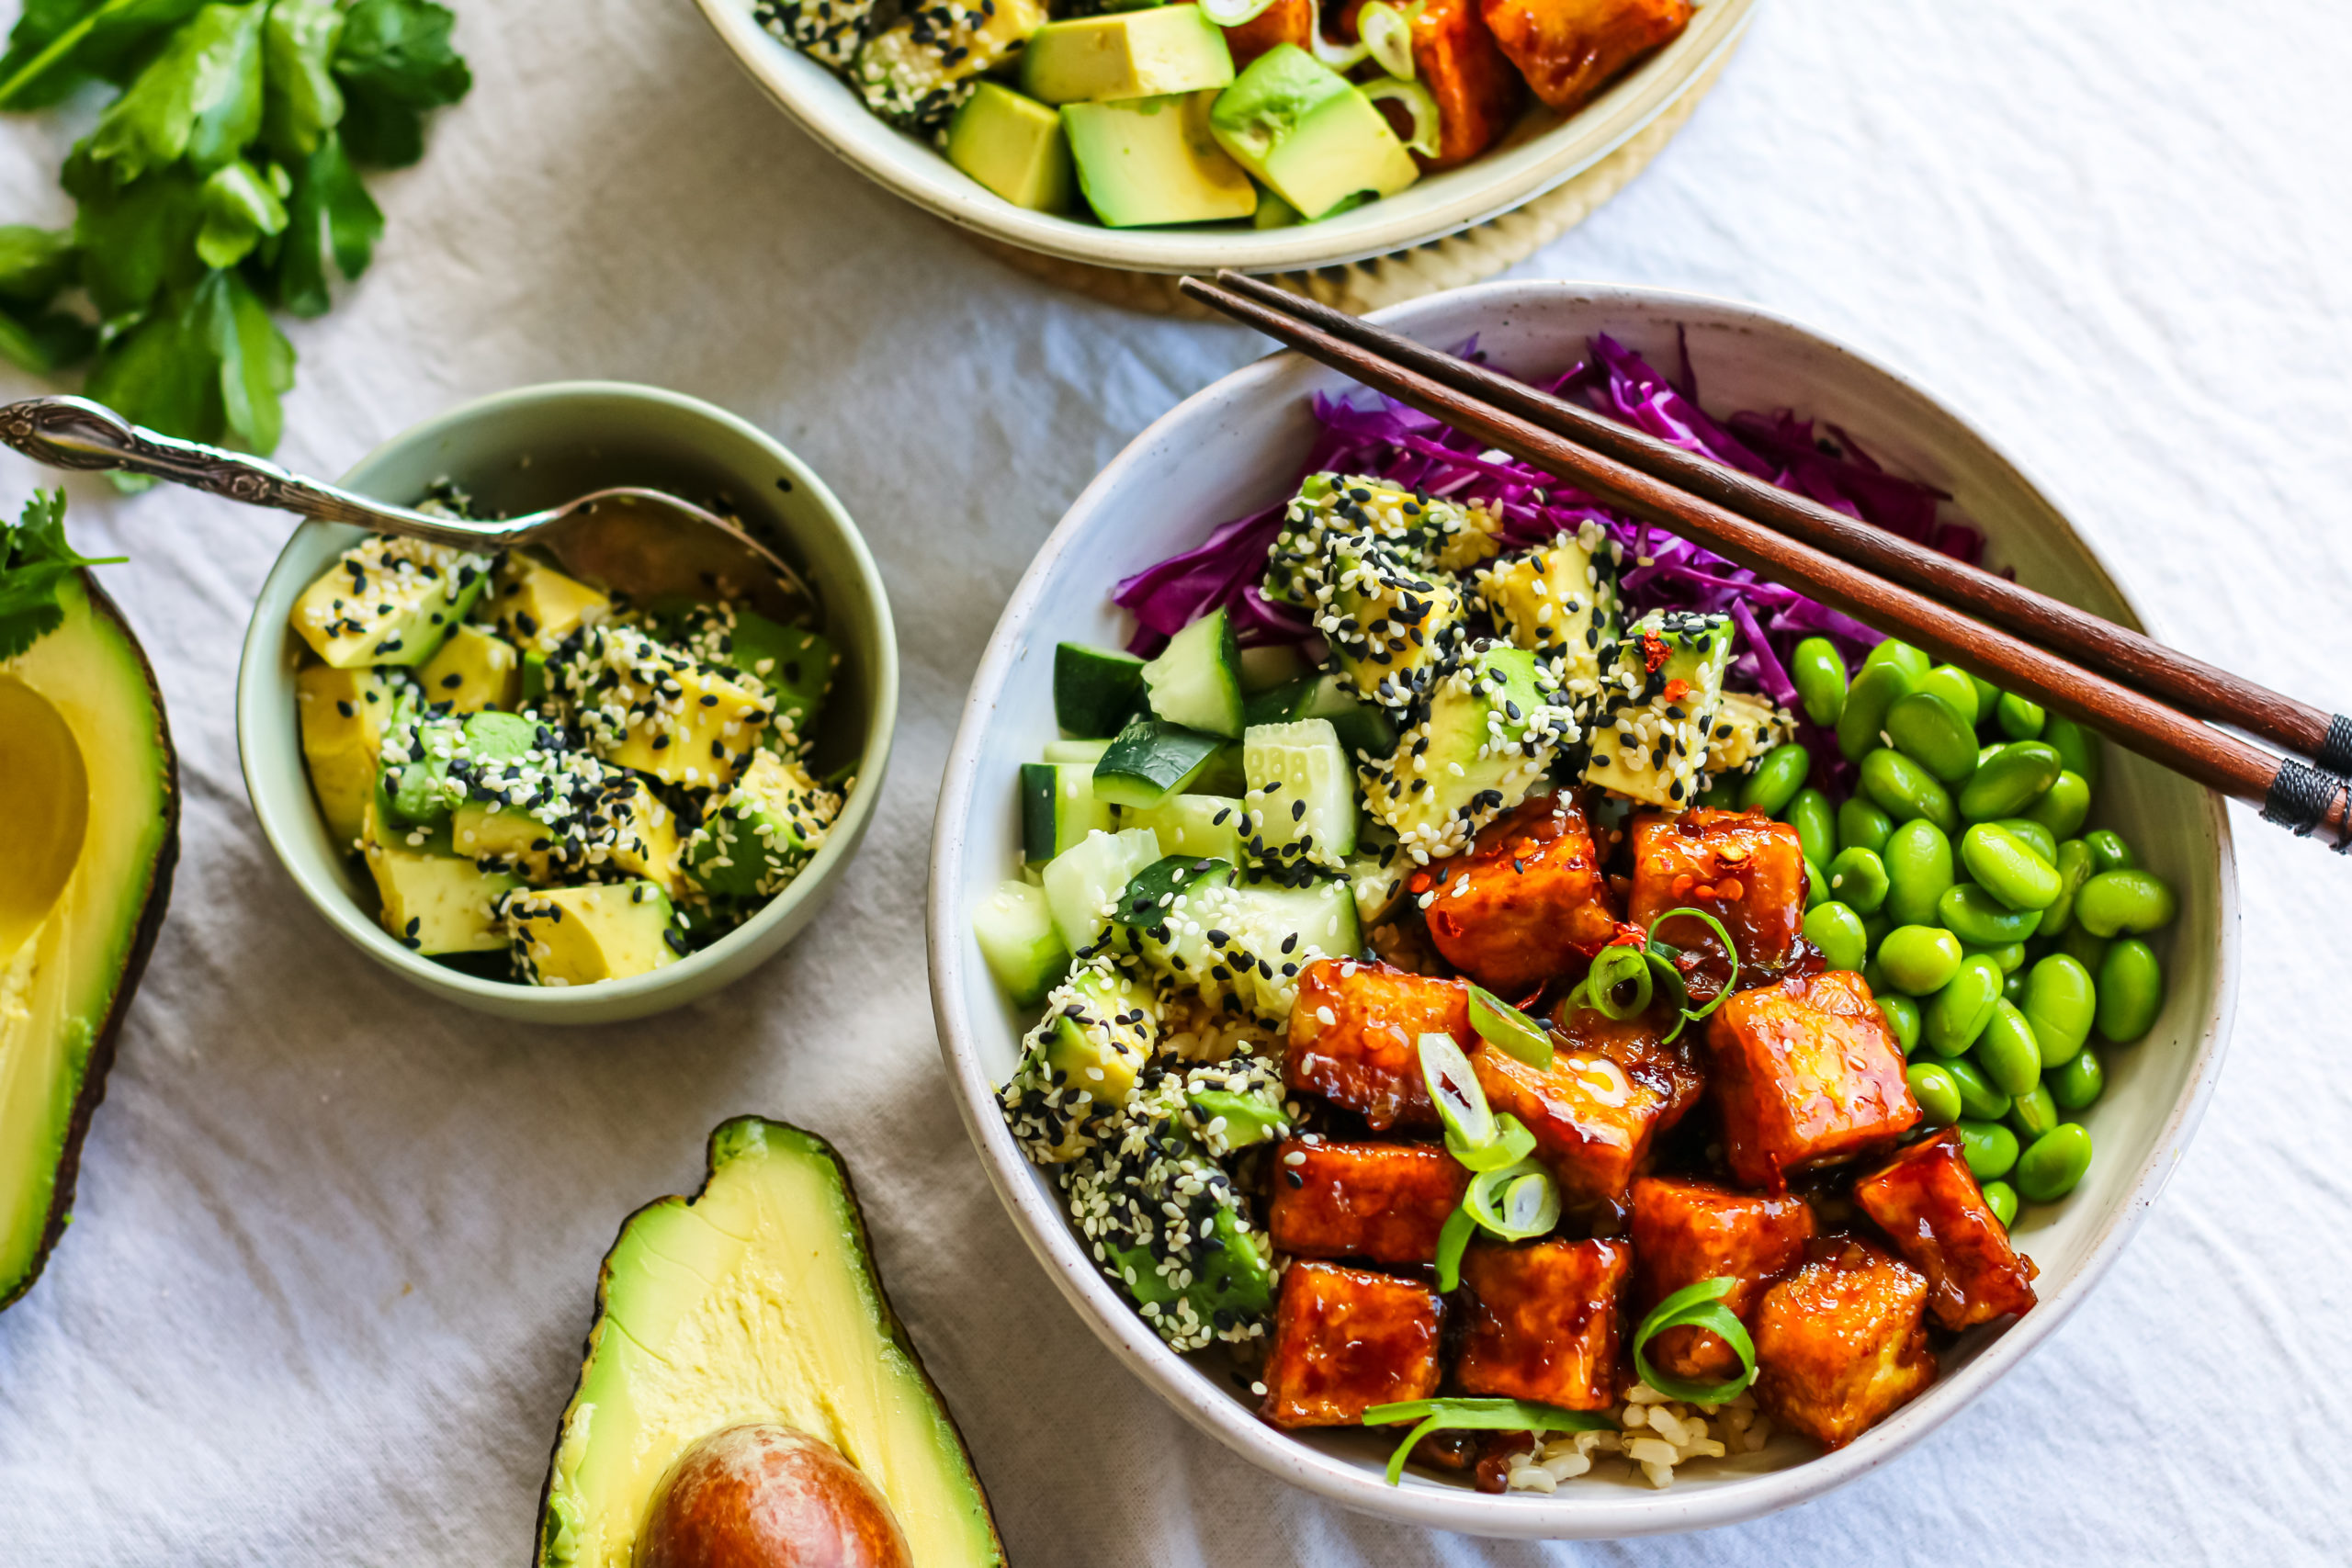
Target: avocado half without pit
[{"x": 749, "y": 1398}]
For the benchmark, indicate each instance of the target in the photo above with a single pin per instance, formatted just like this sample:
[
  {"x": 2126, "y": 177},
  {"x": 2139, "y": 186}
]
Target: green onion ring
[
  {"x": 1385, "y": 32},
  {"x": 1698, "y": 1306},
  {"x": 1730, "y": 951},
  {"x": 1516, "y": 1203},
  {"x": 1452, "y": 1242},
  {"x": 1233, "y": 13},
  {"x": 1504, "y": 1026},
  {"x": 1511, "y": 1142},
  {"x": 1476, "y": 1415},
  {"x": 1421, "y": 104},
  {"x": 1454, "y": 1089},
  {"x": 1341, "y": 57},
  {"x": 1616, "y": 967}
]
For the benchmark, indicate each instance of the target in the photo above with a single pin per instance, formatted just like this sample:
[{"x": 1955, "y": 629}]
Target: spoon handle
[{"x": 74, "y": 433}]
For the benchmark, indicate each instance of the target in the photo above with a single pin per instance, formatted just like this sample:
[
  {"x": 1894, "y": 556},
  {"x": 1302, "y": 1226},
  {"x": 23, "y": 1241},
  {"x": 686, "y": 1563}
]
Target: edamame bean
[
  {"x": 1902, "y": 1015},
  {"x": 1778, "y": 777},
  {"x": 2054, "y": 1164},
  {"x": 1816, "y": 884},
  {"x": 1858, "y": 879},
  {"x": 1990, "y": 1148},
  {"x": 2008, "y": 1052},
  {"x": 1722, "y": 795},
  {"x": 1900, "y": 654},
  {"x": 2033, "y": 1113},
  {"x": 2037, "y": 839},
  {"x": 2074, "y": 864},
  {"x": 2064, "y": 805},
  {"x": 1988, "y": 695},
  {"x": 1938, "y": 1097},
  {"x": 1872, "y": 975},
  {"x": 2060, "y": 1002},
  {"x": 2002, "y": 1199},
  {"x": 1838, "y": 932},
  {"x": 1906, "y": 791},
  {"x": 2108, "y": 852},
  {"x": 1918, "y": 871},
  {"x": 2010, "y": 780},
  {"x": 1985, "y": 753},
  {"x": 1925, "y": 728},
  {"x": 1979, "y": 1097},
  {"x": 1815, "y": 821},
  {"x": 1980, "y": 920},
  {"x": 1864, "y": 715},
  {"x": 1820, "y": 676},
  {"x": 1919, "y": 961},
  {"x": 2010, "y": 956},
  {"x": 2126, "y": 903},
  {"x": 1875, "y": 925},
  {"x": 2080, "y": 747},
  {"x": 2005, "y": 867},
  {"x": 1952, "y": 1019},
  {"x": 1958, "y": 689},
  {"x": 1861, "y": 826},
  {"x": 2131, "y": 991},
  {"x": 2078, "y": 1084},
  {"x": 2013, "y": 986},
  {"x": 2019, "y": 718},
  {"x": 2085, "y": 949}
]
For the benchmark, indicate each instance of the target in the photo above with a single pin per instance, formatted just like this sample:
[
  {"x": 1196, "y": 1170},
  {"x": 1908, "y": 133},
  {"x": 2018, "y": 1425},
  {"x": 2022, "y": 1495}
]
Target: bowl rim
[
  {"x": 1186, "y": 1386},
  {"x": 1577, "y": 142},
  {"x": 258, "y": 690}
]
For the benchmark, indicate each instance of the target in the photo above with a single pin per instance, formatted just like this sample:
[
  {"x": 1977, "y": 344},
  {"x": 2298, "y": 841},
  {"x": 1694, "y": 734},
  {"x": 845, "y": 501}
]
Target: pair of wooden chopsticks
[{"x": 2092, "y": 670}]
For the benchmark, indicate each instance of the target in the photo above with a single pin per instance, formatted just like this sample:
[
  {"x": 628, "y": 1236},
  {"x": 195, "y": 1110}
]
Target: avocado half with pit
[
  {"x": 751, "y": 1307},
  {"x": 88, "y": 777}
]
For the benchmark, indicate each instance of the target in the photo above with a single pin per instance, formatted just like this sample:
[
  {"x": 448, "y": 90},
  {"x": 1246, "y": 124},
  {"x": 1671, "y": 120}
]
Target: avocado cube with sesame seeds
[
  {"x": 1745, "y": 726},
  {"x": 645, "y": 705},
  {"x": 1492, "y": 733},
  {"x": 1660, "y": 685},
  {"x": 432, "y": 903},
  {"x": 475, "y": 669},
  {"x": 1558, "y": 601},
  {"x": 1080, "y": 1062},
  {"x": 1422, "y": 532},
  {"x": 578, "y": 936},
  {"x": 389, "y": 601},
  {"x": 595, "y": 820},
  {"x": 1391, "y": 627},
  {"x": 793, "y": 664},
  {"x": 917, "y": 74},
  {"x": 753, "y": 841},
  {"x": 826, "y": 31},
  {"x": 344, "y": 715},
  {"x": 534, "y": 606}
]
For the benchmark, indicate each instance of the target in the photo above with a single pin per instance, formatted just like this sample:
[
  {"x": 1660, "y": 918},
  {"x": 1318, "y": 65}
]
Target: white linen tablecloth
[{"x": 335, "y": 1245}]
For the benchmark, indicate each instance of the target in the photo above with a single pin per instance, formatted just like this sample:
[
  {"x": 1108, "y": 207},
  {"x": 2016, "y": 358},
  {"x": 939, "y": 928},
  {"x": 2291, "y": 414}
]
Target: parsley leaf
[
  {"x": 300, "y": 103},
  {"x": 329, "y": 214},
  {"x": 57, "y": 45},
  {"x": 395, "y": 63},
  {"x": 34, "y": 557},
  {"x": 206, "y": 363},
  {"x": 200, "y": 98}
]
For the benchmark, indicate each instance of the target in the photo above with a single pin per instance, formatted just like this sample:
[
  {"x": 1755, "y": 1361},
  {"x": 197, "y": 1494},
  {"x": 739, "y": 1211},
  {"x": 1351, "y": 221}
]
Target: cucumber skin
[
  {"x": 1150, "y": 761},
  {"x": 1096, "y": 689},
  {"x": 1196, "y": 681},
  {"x": 1042, "y": 836}
]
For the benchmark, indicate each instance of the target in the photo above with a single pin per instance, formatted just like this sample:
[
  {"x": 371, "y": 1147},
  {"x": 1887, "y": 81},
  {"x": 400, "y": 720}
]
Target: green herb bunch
[
  {"x": 34, "y": 557},
  {"x": 221, "y": 181}
]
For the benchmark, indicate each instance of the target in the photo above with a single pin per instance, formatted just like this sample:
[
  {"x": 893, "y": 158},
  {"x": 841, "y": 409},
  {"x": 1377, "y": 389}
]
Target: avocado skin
[
  {"x": 726, "y": 1139},
  {"x": 156, "y": 899}
]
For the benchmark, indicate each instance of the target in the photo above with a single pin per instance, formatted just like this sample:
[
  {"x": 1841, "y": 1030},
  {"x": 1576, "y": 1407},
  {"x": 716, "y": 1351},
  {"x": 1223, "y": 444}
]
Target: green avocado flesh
[
  {"x": 63, "y": 991},
  {"x": 755, "y": 1301}
]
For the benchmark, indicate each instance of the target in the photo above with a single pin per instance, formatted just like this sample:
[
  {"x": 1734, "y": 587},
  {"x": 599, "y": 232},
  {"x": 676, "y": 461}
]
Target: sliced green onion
[
  {"x": 1506, "y": 1028},
  {"x": 1341, "y": 57},
  {"x": 1730, "y": 951},
  {"x": 1613, "y": 971},
  {"x": 1698, "y": 1306},
  {"x": 1233, "y": 13},
  {"x": 1418, "y": 103},
  {"x": 1667, "y": 978},
  {"x": 1476, "y": 1415},
  {"x": 1511, "y": 1142},
  {"x": 1452, "y": 1242},
  {"x": 1453, "y": 1088},
  {"x": 1385, "y": 32},
  {"x": 1517, "y": 1202}
]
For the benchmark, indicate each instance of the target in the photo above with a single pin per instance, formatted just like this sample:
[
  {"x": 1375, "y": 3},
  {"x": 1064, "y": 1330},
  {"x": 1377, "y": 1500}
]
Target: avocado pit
[
  {"x": 768, "y": 1495},
  {"x": 45, "y": 800}
]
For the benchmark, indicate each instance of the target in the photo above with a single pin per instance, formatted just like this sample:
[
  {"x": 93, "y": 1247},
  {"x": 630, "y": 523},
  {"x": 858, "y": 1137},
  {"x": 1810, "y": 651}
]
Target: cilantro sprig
[
  {"x": 222, "y": 183},
  {"x": 34, "y": 557}
]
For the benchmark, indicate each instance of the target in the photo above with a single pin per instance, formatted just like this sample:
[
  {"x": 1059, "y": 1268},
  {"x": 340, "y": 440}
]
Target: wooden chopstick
[
  {"x": 2124, "y": 655},
  {"x": 2290, "y": 792}
]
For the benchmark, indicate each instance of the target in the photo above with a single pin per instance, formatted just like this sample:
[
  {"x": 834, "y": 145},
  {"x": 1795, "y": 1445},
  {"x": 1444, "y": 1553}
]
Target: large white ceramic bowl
[
  {"x": 1236, "y": 446},
  {"x": 1543, "y": 151}
]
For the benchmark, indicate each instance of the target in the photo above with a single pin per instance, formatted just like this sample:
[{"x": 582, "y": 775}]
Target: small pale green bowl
[{"x": 532, "y": 447}]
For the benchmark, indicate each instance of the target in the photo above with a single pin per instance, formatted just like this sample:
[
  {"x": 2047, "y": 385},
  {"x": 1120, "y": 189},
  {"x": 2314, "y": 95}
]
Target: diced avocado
[
  {"x": 1206, "y": 827},
  {"x": 1271, "y": 666},
  {"x": 474, "y": 670},
  {"x": 343, "y": 714},
  {"x": 534, "y": 677},
  {"x": 1273, "y": 212},
  {"x": 1490, "y": 734},
  {"x": 1377, "y": 874},
  {"x": 1302, "y": 794},
  {"x": 1560, "y": 601},
  {"x": 433, "y": 904},
  {"x": 1659, "y": 689},
  {"x": 578, "y": 936},
  {"x": 422, "y": 764},
  {"x": 1307, "y": 134},
  {"x": 389, "y": 601},
  {"x": 755, "y": 840},
  {"x": 1078, "y": 1064},
  {"x": 1228, "y": 1121},
  {"x": 792, "y": 664},
  {"x": 917, "y": 74},
  {"x": 534, "y": 606},
  {"x": 1744, "y": 726},
  {"x": 1016, "y": 147},
  {"x": 618, "y": 826},
  {"x": 1153, "y": 160},
  {"x": 1132, "y": 54},
  {"x": 1391, "y": 627},
  {"x": 1421, "y": 532},
  {"x": 642, "y": 704},
  {"x": 755, "y": 1301},
  {"x": 1014, "y": 928}
]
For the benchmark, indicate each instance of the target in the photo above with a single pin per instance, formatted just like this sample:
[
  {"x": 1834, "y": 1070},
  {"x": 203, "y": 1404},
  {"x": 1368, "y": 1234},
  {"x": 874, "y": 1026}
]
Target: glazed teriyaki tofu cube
[
  {"x": 1383, "y": 1201},
  {"x": 1346, "y": 1339},
  {"x": 1926, "y": 1201},
  {"x": 1592, "y": 1119},
  {"x": 1544, "y": 1321},
  {"x": 1806, "y": 1073},
  {"x": 1840, "y": 1343},
  {"x": 1741, "y": 867},
  {"x": 1528, "y": 901},
  {"x": 1685, "y": 1231},
  {"x": 1355, "y": 1038}
]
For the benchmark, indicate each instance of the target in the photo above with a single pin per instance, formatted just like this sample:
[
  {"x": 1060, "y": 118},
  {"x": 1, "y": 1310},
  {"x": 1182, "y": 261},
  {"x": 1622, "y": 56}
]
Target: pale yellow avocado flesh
[
  {"x": 342, "y": 715},
  {"x": 606, "y": 931},
  {"x": 475, "y": 669},
  {"x": 433, "y": 904},
  {"x": 535, "y": 606},
  {"x": 754, "y": 1302},
  {"x": 1153, "y": 160}
]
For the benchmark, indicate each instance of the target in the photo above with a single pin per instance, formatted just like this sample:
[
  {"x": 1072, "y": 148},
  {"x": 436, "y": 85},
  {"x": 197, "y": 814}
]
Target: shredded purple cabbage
[{"x": 1388, "y": 440}]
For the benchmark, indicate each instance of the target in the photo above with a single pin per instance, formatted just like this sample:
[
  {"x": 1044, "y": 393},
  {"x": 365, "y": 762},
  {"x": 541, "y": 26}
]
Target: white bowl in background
[
  {"x": 1236, "y": 446},
  {"x": 1543, "y": 151}
]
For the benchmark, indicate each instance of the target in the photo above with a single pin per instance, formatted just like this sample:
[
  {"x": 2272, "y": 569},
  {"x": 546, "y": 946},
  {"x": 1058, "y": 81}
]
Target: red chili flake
[
  {"x": 1675, "y": 690},
  {"x": 1655, "y": 653},
  {"x": 1730, "y": 890},
  {"x": 1420, "y": 882},
  {"x": 1628, "y": 935}
]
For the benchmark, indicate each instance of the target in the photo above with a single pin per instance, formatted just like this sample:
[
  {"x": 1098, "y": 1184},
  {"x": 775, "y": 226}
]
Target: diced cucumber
[
  {"x": 1150, "y": 892},
  {"x": 1096, "y": 691},
  {"x": 1320, "y": 915},
  {"x": 1087, "y": 751},
  {"x": 1196, "y": 681},
  {"x": 1206, "y": 827},
  {"x": 1360, "y": 726},
  {"x": 1014, "y": 926},
  {"x": 1276, "y": 664},
  {"x": 1234, "y": 942},
  {"x": 1302, "y": 794},
  {"x": 1084, "y": 881},
  {"x": 1224, "y": 775},
  {"x": 1150, "y": 761},
  {"x": 1058, "y": 807}
]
